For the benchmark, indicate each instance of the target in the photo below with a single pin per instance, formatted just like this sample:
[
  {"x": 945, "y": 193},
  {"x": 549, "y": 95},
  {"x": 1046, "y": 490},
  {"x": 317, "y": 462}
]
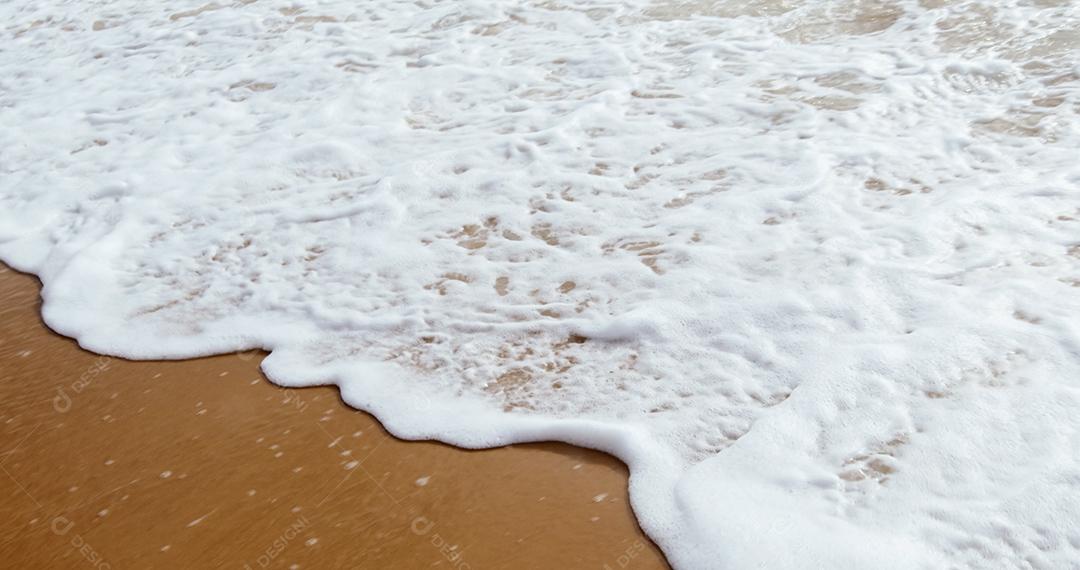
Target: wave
[{"x": 812, "y": 270}]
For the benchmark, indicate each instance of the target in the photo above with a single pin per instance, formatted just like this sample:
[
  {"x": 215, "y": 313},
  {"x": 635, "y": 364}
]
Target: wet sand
[{"x": 203, "y": 463}]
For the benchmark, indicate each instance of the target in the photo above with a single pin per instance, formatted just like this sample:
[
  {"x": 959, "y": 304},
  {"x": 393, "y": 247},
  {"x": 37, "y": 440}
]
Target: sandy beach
[
  {"x": 804, "y": 275},
  {"x": 203, "y": 463}
]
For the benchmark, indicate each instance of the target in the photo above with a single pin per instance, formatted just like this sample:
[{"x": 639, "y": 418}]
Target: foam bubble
[{"x": 810, "y": 269}]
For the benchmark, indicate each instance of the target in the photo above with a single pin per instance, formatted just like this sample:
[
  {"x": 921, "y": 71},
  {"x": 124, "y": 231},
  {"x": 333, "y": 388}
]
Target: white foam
[{"x": 810, "y": 269}]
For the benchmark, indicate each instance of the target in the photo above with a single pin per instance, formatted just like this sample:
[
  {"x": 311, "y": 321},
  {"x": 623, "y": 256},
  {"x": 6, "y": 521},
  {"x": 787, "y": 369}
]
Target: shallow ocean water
[{"x": 812, "y": 269}]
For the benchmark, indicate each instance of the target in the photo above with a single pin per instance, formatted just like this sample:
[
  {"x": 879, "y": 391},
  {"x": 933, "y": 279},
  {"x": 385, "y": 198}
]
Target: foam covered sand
[{"x": 811, "y": 269}]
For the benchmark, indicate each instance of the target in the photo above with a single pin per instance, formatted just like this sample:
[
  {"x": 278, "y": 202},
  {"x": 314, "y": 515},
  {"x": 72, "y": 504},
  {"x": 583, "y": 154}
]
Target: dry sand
[{"x": 203, "y": 463}]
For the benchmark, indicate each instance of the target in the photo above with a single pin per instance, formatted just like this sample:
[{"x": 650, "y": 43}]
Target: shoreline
[{"x": 203, "y": 462}]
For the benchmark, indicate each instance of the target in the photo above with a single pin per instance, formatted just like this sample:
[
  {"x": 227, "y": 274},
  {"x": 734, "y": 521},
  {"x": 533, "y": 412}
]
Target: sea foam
[{"x": 812, "y": 269}]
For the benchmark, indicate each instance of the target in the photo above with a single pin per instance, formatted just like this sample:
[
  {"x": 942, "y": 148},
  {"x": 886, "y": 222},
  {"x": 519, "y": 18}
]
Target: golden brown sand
[{"x": 203, "y": 463}]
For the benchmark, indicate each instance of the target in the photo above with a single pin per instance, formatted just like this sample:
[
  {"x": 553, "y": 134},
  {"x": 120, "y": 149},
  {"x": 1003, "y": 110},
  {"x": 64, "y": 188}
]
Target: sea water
[{"x": 812, "y": 269}]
